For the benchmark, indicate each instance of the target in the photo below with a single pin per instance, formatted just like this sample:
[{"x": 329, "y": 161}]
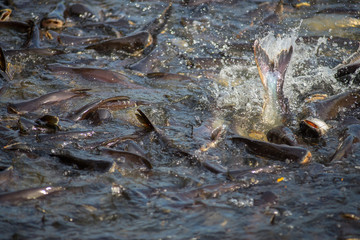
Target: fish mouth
[
  {"x": 313, "y": 127},
  {"x": 52, "y": 23},
  {"x": 5, "y": 14}
]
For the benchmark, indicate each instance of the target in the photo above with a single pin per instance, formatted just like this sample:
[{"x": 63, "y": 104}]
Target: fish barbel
[{"x": 272, "y": 74}]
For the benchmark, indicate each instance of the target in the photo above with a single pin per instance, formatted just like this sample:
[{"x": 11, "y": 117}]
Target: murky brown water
[{"x": 198, "y": 74}]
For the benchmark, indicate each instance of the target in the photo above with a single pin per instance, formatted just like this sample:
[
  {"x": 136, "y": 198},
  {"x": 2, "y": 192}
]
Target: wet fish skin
[
  {"x": 167, "y": 76},
  {"x": 131, "y": 44},
  {"x": 79, "y": 11},
  {"x": 15, "y": 25},
  {"x": 348, "y": 73},
  {"x": 28, "y": 194},
  {"x": 100, "y": 116},
  {"x": 34, "y": 51},
  {"x": 272, "y": 75},
  {"x": 60, "y": 136},
  {"x": 64, "y": 39},
  {"x": 156, "y": 26},
  {"x": 128, "y": 159},
  {"x": 4, "y": 66},
  {"x": 33, "y": 36},
  {"x": 330, "y": 108},
  {"x": 350, "y": 141},
  {"x": 166, "y": 142},
  {"x": 55, "y": 19},
  {"x": 241, "y": 173},
  {"x": 50, "y": 98},
  {"x": 208, "y": 191},
  {"x": 133, "y": 147},
  {"x": 95, "y": 74},
  {"x": 27, "y": 126},
  {"x": 282, "y": 135},
  {"x": 150, "y": 63},
  {"x": 280, "y": 152},
  {"x": 81, "y": 163},
  {"x": 88, "y": 109}
]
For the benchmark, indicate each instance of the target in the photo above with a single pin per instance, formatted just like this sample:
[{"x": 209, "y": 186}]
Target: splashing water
[{"x": 240, "y": 87}]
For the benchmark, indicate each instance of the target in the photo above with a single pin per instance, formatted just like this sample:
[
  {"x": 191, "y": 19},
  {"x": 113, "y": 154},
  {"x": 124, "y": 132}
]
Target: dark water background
[{"x": 179, "y": 199}]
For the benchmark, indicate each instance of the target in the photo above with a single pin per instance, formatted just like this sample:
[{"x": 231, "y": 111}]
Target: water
[{"x": 178, "y": 198}]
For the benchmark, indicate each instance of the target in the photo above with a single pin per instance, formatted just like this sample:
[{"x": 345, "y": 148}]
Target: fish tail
[
  {"x": 281, "y": 66},
  {"x": 272, "y": 75},
  {"x": 263, "y": 62}
]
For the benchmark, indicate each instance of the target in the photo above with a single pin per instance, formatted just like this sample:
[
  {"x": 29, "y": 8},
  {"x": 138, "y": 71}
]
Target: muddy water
[{"x": 209, "y": 46}]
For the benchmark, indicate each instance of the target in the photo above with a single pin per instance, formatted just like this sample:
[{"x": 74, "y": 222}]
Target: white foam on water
[{"x": 239, "y": 89}]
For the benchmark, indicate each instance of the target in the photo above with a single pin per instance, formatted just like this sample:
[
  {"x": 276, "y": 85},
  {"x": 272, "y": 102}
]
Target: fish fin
[
  {"x": 2, "y": 61},
  {"x": 144, "y": 120},
  {"x": 6, "y": 69},
  {"x": 281, "y": 66},
  {"x": 157, "y": 25},
  {"x": 263, "y": 62}
]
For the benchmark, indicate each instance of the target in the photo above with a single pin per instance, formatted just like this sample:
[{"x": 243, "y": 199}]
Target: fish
[
  {"x": 33, "y": 36},
  {"x": 64, "y": 39},
  {"x": 132, "y": 44},
  {"x": 84, "y": 112},
  {"x": 68, "y": 136},
  {"x": 282, "y": 135},
  {"x": 97, "y": 74},
  {"x": 138, "y": 41},
  {"x": 50, "y": 98},
  {"x": 100, "y": 116},
  {"x": 171, "y": 146},
  {"x": 45, "y": 124},
  {"x": 83, "y": 160},
  {"x": 348, "y": 144},
  {"x": 155, "y": 26},
  {"x": 15, "y": 25},
  {"x": 280, "y": 152},
  {"x": 4, "y": 66},
  {"x": 127, "y": 160},
  {"x": 55, "y": 19},
  {"x": 272, "y": 74},
  {"x": 79, "y": 12},
  {"x": 313, "y": 127},
  {"x": 28, "y": 194},
  {"x": 330, "y": 108}
]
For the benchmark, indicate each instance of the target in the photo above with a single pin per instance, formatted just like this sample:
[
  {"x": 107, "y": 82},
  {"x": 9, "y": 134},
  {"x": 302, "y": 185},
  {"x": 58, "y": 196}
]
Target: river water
[{"x": 209, "y": 46}]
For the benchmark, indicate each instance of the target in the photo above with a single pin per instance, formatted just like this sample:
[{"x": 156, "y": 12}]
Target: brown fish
[
  {"x": 28, "y": 194},
  {"x": 330, "y": 108},
  {"x": 95, "y": 74},
  {"x": 280, "y": 152},
  {"x": 50, "y": 98}
]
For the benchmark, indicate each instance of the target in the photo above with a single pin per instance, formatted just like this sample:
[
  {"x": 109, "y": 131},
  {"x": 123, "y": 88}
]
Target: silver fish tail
[{"x": 272, "y": 74}]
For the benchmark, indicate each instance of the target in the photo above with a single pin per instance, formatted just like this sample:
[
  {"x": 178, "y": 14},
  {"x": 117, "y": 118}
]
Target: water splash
[{"x": 240, "y": 87}]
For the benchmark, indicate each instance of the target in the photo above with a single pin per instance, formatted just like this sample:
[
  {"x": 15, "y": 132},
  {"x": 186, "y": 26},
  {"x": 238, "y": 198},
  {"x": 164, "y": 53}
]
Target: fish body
[{"x": 272, "y": 74}]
